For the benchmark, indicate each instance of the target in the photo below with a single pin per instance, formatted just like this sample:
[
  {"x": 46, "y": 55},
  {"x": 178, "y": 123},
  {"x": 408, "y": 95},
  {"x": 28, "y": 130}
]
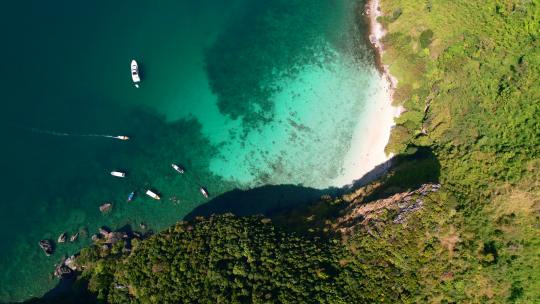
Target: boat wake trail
[
  {"x": 54, "y": 133},
  {"x": 49, "y": 132}
]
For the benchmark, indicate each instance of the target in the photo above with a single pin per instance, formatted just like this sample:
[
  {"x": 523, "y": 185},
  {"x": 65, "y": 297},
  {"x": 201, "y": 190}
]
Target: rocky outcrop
[
  {"x": 105, "y": 208},
  {"x": 65, "y": 268},
  {"x": 109, "y": 237},
  {"x": 398, "y": 207}
]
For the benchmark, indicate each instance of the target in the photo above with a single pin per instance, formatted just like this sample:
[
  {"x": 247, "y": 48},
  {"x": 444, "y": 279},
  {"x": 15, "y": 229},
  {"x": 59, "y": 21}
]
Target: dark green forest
[{"x": 220, "y": 259}]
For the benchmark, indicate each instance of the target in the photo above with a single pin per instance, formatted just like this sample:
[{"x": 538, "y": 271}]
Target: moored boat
[
  {"x": 131, "y": 196},
  {"x": 178, "y": 168},
  {"x": 47, "y": 246},
  {"x": 74, "y": 237},
  {"x": 135, "y": 73},
  {"x": 152, "y": 194},
  {"x": 62, "y": 238},
  {"x": 204, "y": 192},
  {"x": 118, "y": 173}
]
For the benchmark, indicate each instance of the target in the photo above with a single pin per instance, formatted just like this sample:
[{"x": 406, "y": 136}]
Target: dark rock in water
[
  {"x": 105, "y": 208},
  {"x": 62, "y": 238},
  {"x": 114, "y": 237},
  {"x": 83, "y": 232},
  {"x": 104, "y": 231},
  {"x": 62, "y": 271},
  {"x": 47, "y": 246}
]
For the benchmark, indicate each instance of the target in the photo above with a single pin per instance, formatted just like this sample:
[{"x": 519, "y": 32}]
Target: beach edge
[{"x": 371, "y": 137}]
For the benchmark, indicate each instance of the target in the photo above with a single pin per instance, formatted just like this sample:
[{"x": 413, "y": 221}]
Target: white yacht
[
  {"x": 135, "y": 73},
  {"x": 178, "y": 168},
  {"x": 118, "y": 174}
]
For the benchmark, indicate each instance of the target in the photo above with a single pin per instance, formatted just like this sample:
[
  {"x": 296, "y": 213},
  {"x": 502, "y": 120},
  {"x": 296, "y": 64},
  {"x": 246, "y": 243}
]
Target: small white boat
[
  {"x": 118, "y": 174},
  {"x": 122, "y": 137},
  {"x": 74, "y": 237},
  {"x": 135, "y": 73},
  {"x": 62, "y": 238},
  {"x": 204, "y": 192},
  {"x": 178, "y": 168},
  {"x": 152, "y": 194}
]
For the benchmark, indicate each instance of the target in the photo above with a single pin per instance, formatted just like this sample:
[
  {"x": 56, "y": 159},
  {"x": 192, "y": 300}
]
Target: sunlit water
[{"x": 243, "y": 93}]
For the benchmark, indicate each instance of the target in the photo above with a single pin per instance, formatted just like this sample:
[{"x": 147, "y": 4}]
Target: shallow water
[{"x": 243, "y": 93}]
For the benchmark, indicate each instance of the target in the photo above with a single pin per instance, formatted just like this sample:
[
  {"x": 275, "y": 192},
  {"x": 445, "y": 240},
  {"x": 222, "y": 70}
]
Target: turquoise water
[{"x": 243, "y": 93}]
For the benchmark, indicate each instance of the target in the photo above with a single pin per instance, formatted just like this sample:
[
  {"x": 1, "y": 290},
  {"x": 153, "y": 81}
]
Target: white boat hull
[
  {"x": 204, "y": 192},
  {"x": 135, "y": 72},
  {"x": 118, "y": 174},
  {"x": 152, "y": 195},
  {"x": 178, "y": 168}
]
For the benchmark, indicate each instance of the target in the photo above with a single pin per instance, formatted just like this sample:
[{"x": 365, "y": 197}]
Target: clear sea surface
[{"x": 242, "y": 93}]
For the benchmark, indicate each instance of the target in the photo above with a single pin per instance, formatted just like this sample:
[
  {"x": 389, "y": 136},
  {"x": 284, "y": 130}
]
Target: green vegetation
[
  {"x": 221, "y": 259},
  {"x": 467, "y": 74}
]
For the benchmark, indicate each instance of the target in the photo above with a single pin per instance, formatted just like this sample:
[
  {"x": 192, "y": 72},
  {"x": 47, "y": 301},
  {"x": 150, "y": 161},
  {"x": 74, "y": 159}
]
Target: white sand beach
[{"x": 373, "y": 132}]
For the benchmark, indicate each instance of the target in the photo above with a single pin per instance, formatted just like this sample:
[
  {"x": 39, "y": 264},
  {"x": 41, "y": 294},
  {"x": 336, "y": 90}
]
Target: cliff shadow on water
[
  {"x": 264, "y": 200},
  {"x": 403, "y": 172}
]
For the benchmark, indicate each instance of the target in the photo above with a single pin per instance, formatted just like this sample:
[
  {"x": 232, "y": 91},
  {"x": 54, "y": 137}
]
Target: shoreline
[
  {"x": 375, "y": 34},
  {"x": 372, "y": 135}
]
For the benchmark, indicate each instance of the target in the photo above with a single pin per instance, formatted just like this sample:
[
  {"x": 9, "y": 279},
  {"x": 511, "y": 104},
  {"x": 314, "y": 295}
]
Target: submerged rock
[{"x": 105, "y": 208}]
